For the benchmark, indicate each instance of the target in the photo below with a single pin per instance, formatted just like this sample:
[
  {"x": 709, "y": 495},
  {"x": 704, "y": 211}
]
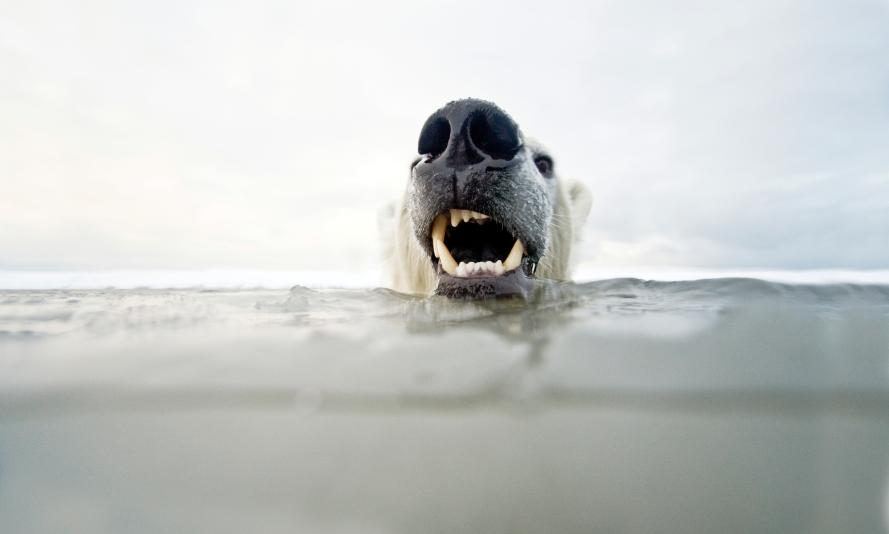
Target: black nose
[{"x": 466, "y": 132}]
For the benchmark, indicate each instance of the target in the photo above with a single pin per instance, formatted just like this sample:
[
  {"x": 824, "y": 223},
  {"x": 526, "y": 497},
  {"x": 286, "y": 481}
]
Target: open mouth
[{"x": 469, "y": 244}]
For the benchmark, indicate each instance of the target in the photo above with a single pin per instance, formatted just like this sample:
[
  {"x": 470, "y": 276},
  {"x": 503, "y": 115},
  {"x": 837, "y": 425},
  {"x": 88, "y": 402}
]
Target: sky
[{"x": 268, "y": 135}]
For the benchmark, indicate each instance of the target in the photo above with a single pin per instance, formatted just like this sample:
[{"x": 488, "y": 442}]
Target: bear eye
[{"x": 544, "y": 165}]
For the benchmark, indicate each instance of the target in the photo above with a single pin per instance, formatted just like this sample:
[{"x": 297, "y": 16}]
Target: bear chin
[{"x": 511, "y": 284}]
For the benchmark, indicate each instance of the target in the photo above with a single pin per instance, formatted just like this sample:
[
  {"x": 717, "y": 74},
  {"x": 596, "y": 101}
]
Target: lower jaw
[{"x": 513, "y": 283}]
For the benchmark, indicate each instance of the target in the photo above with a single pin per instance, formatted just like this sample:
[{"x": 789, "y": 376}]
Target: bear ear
[{"x": 581, "y": 201}]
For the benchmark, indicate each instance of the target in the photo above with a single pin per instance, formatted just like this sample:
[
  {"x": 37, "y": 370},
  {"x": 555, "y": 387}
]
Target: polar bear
[{"x": 484, "y": 212}]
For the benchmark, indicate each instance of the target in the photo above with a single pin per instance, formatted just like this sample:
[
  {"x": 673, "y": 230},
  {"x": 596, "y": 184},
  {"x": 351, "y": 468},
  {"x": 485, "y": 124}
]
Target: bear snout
[{"x": 469, "y": 132}]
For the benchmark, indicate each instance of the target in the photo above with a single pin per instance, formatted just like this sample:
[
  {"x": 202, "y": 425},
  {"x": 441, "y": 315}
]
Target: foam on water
[{"x": 619, "y": 405}]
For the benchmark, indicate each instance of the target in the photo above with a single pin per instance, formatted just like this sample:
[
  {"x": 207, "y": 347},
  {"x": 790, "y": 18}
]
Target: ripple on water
[{"x": 625, "y": 333}]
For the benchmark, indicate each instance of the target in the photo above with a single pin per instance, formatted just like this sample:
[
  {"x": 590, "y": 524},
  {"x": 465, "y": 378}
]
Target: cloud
[{"x": 200, "y": 135}]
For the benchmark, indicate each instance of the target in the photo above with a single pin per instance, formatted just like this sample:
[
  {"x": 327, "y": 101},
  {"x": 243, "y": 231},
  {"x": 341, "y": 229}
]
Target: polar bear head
[{"x": 484, "y": 211}]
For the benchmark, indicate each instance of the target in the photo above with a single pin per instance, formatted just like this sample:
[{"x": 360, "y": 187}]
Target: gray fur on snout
[{"x": 514, "y": 195}]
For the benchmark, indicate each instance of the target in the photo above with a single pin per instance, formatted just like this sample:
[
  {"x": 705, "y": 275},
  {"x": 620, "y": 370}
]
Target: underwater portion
[{"x": 722, "y": 405}]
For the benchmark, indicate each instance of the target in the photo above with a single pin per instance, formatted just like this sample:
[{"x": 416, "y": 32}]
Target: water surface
[{"x": 730, "y": 405}]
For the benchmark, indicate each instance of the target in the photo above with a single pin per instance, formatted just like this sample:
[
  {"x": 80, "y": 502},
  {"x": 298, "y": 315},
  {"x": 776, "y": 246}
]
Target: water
[{"x": 731, "y": 405}]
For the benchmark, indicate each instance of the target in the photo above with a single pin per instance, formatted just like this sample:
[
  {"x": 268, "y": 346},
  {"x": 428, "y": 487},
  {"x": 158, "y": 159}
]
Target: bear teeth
[
  {"x": 469, "y": 269},
  {"x": 465, "y": 216},
  {"x": 481, "y": 268},
  {"x": 515, "y": 256}
]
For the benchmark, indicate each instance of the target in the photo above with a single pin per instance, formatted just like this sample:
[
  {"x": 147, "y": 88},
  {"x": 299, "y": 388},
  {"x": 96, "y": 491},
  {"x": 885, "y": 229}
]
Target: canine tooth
[
  {"x": 438, "y": 233},
  {"x": 438, "y": 227},
  {"x": 479, "y": 216},
  {"x": 515, "y": 256},
  {"x": 447, "y": 261},
  {"x": 455, "y": 217},
  {"x": 437, "y": 245}
]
